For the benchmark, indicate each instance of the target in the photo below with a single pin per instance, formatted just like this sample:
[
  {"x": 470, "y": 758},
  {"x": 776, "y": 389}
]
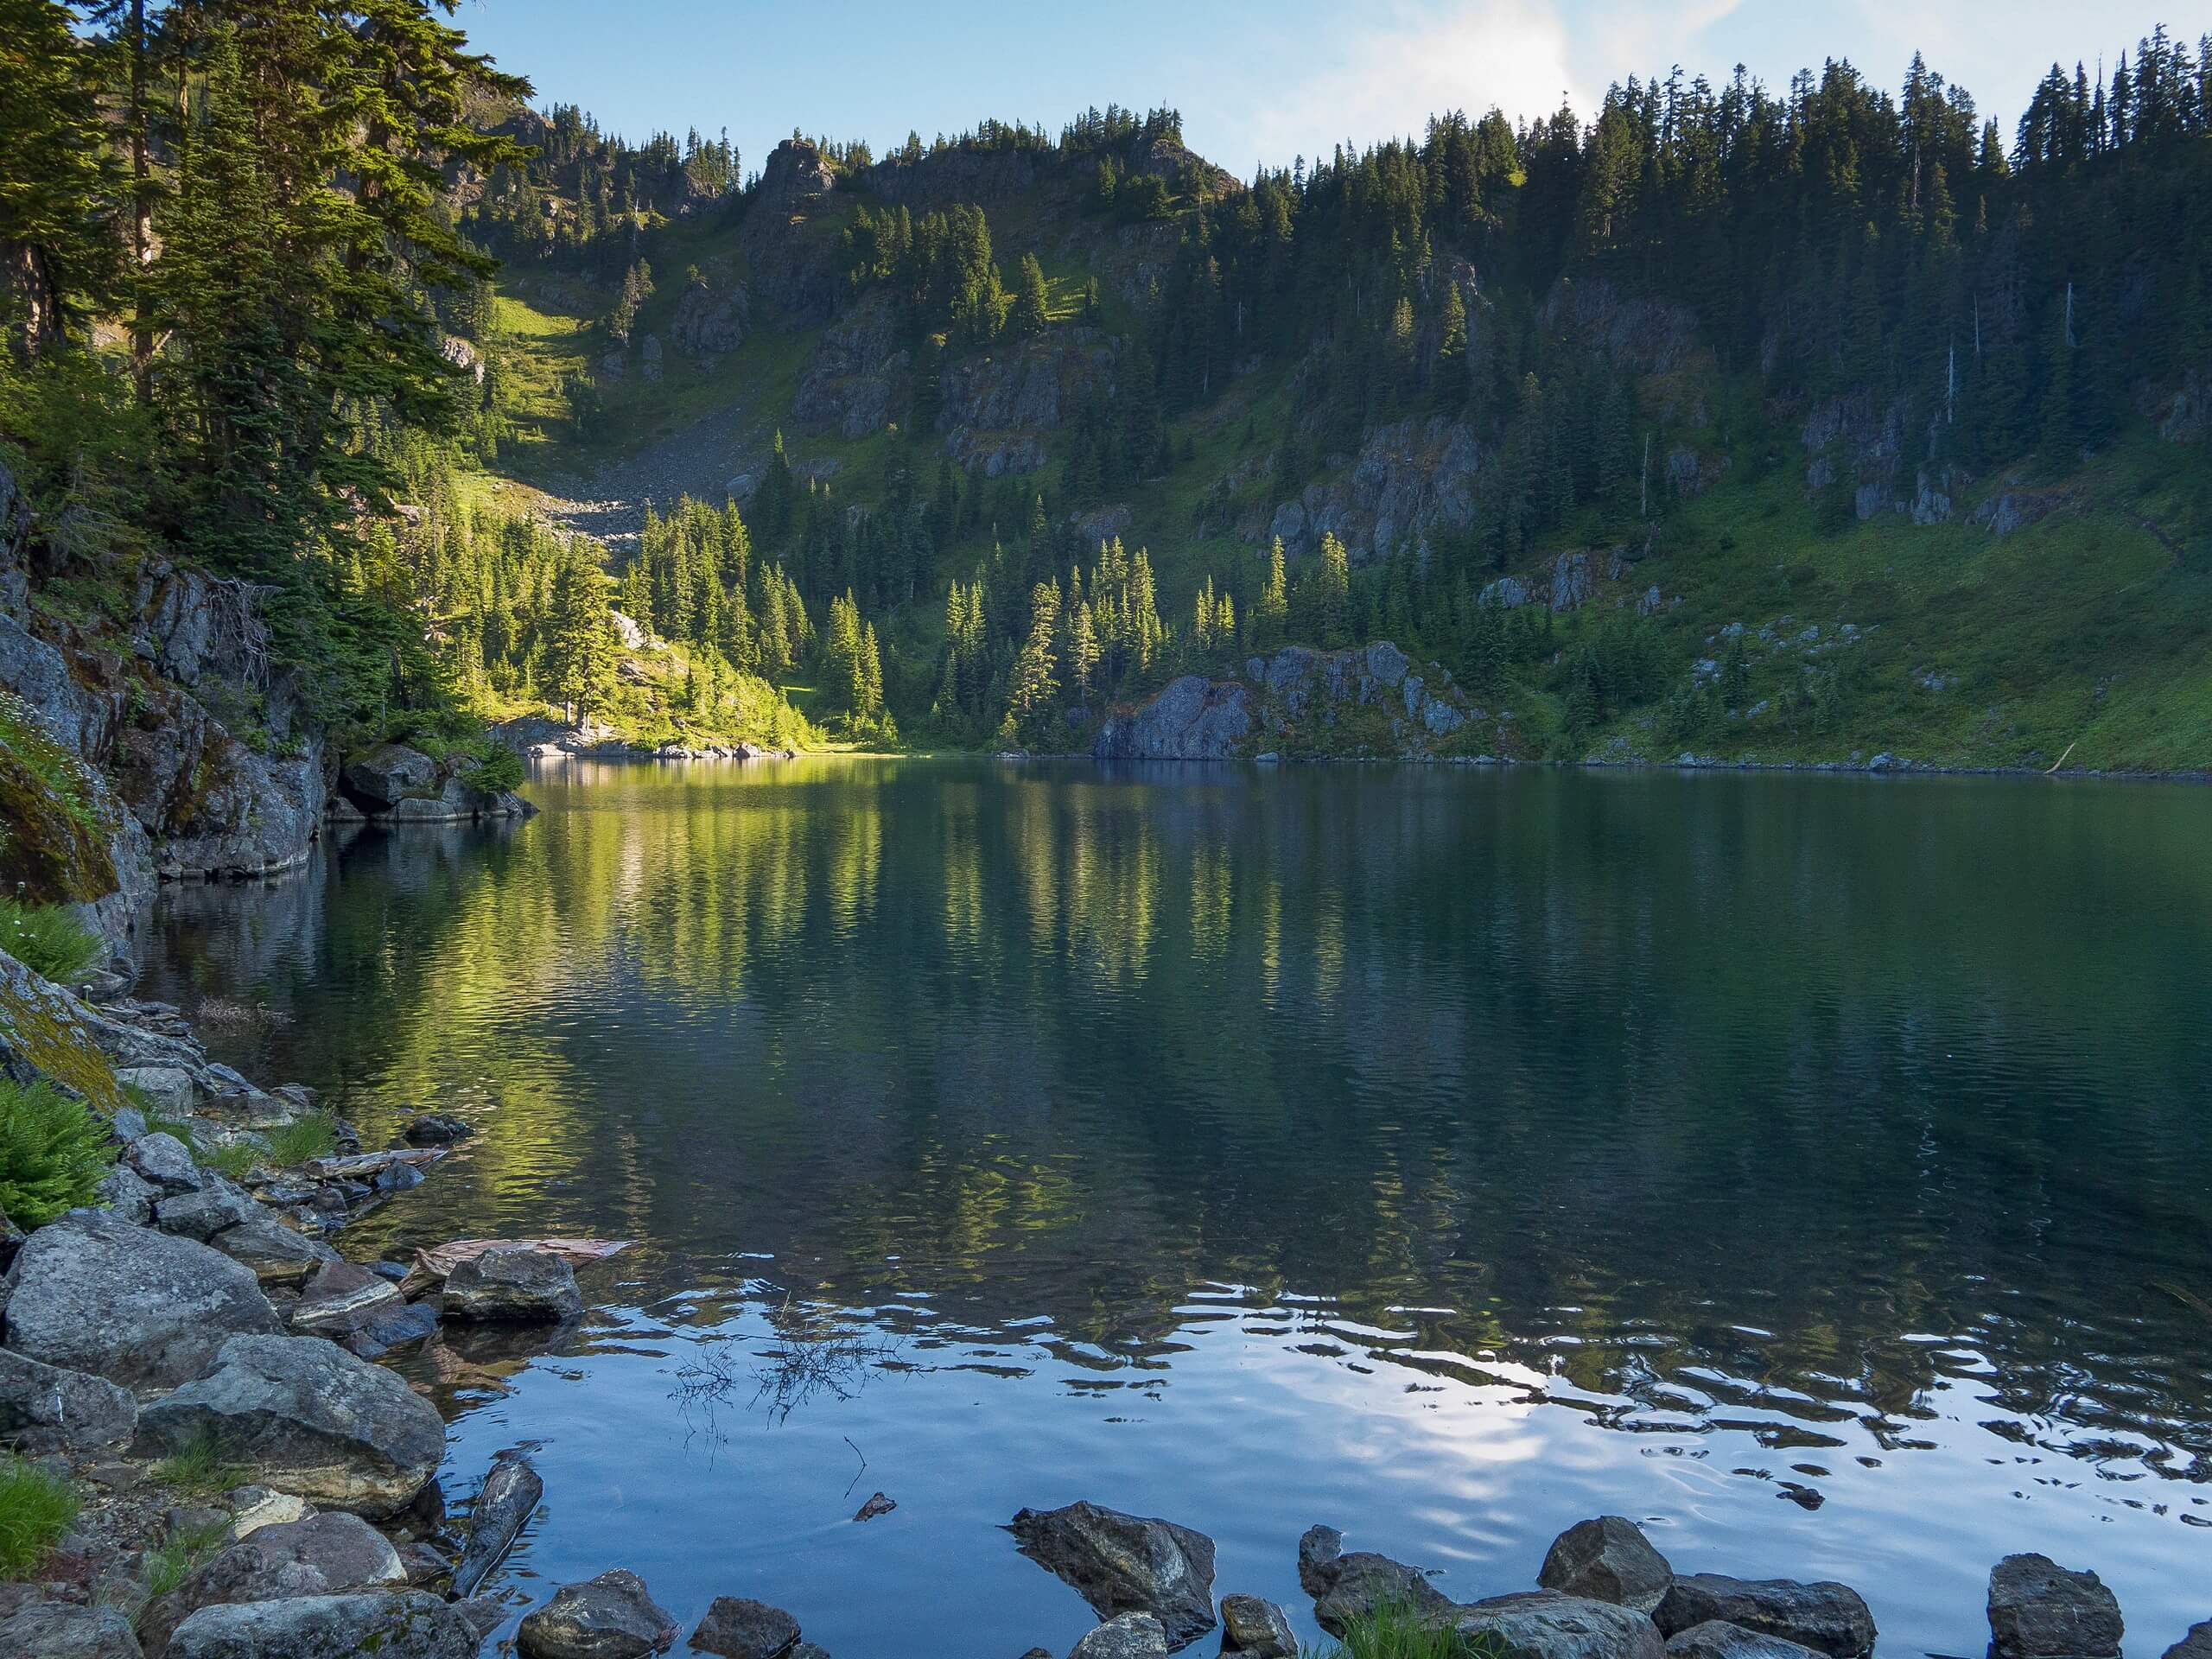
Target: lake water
[{"x": 1818, "y": 1169}]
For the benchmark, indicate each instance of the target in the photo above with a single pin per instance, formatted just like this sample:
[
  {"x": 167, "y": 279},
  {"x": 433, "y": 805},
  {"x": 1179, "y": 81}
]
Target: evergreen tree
[{"x": 1031, "y": 312}]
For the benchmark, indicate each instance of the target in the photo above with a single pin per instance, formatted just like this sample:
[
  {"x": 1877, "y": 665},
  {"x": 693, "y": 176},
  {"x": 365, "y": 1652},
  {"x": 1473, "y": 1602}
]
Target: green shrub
[
  {"x": 36, "y": 1509},
  {"x": 48, "y": 940},
  {"x": 500, "y": 768},
  {"x": 53, "y": 1151},
  {"x": 313, "y": 1136}
]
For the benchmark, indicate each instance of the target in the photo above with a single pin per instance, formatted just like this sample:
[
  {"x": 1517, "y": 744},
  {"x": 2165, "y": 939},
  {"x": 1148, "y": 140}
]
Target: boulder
[
  {"x": 1545, "y": 1625},
  {"x": 200, "y": 1215},
  {"x": 1828, "y": 1617},
  {"x": 611, "y": 1616},
  {"x": 54, "y": 1630},
  {"x": 738, "y": 1628},
  {"x": 164, "y": 1162},
  {"x": 394, "y": 1327},
  {"x": 1716, "y": 1640},
  {"x": 435, "y": 1129},
  {"x": 390, "y": 1624},
  {"x": 308, "y": 1418},
  {"x": 341, "y": 1300},
  {"x": 168, "y": 1089},
  {"x": 128, "y": 1195},
  {"x": 254, "y": 1507},
  {"x": 2039, "y": 1609},
  {"x": 1130, "y": 1636},
  {"x": 1607, "y": 1560},
  {"x": 504, "y": 1503},
  {"x": 273, "y": 1253},
  {"x": 1363, "y": 1582},
  {"x": 519, "y": 1285},
  {"x": 388, "y": 774},
  {"x": 44, "y": 1409},
  {"x": 1126, "y": 1564},
  {"x": 91, "y": 1292},
  {"x": 317, "y": 1555},
  {"x": 1318, "y": 1551},
  {"x": 1257, "y": 1627}
]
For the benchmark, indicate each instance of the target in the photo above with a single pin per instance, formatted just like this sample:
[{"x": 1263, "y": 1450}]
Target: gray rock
[
  {"x": 390, "y": 1624},
  {"x": 52, "y": 1630},
  {"x": 273, "y": 1253},
  {"x": 388, "y": 774},
  {"x": 512, "y": 1287},
  {"x": 1126, "y": 1564},
  {"x": 1319, "y": 1550},
  {"x": 1544, "y": 1625},
  {"x": 2039, "y": 1609},
  {"x": 1829, "y": 1617},
  {"x": 504, "y": 1503},
  {"x": 1250, "y": 1625},
  {"x": 309, "y": 1418},
  {"x": 341, "y": 1298},
  {"x": 738, "y": 1628},
  {"x": 424, "y": 1564},
  {"x": 164, "y": 1162},
  {"x": 44, "y": 1409},
  {"x": 318, "y": 1555},
  {"x": 219, "y": 1204},
  {"x": 129, "y": 1195},
  {"x": 169, "y": 1089},
  {"x": 1607, "y": 1560},
  {"x": 91, "y": 1292},
  {"x": 435, "y": 1129},
  {"x": 254, "y": 1507},
  {"x": 1716, "y": 1640},
  {"x": 1192, "y": 719},
  {"x": 1130, "y": 1636},
  {"x": 611, "y": 1616},
  {"x": 1362, "y": 1583},
  {"x": 485, "y": 1614},
  {"x": 2197, "y": 1644},
  {"x": 394, "y": 1328}
]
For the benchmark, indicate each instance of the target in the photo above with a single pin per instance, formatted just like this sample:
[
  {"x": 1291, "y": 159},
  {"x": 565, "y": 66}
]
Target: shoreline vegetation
[{"x": 202, "y": 1457}]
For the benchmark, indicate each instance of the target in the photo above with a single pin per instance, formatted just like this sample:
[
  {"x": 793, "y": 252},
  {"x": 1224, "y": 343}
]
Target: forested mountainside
[{"x": 1822, "y": 423}]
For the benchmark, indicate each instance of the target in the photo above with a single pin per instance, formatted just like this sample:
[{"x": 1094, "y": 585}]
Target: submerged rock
[
  {"x": 516, "y": 1286},
  {"x": 736, "y": 1627},
  {"x": 391, "y": 1624},
  {"x": 145, "y": 1309},
  {"x": 2039, "y": 1609},
  {"x": 307, "y": 1417},
  {"x": 435, "y": 1129},
  {"x": 1252, "y": 1625},
  {"x": 1716, "y": 1640},
  {"x": 1829, "y": 1617},
  {"x": 1607, "y": 1560},
  {"x": 1128, "y": 1636},
  {"x": 1545, "y": 1625},
  {"x": 1320, "y": 1549},
  {"x": 504, "y": 1504},
  {"x": 1126, "y": 1564},
  {"x": 610, "y": 1617}
]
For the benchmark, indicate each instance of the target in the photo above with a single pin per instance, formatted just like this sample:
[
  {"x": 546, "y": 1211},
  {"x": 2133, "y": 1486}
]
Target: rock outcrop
[
  {"x": 1126, "y": 1564},
  {"x": 2039, "y": 1609},
  {"x": 1608, "y": 1560}
]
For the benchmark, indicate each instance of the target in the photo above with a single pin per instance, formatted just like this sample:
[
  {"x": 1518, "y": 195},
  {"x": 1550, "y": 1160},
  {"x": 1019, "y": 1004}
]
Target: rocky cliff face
[{"x": 1370, "y": 700}]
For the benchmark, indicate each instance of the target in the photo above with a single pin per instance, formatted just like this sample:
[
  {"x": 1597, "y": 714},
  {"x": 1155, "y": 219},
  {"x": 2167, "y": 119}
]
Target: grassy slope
[{"x": 2087, "y": 628}]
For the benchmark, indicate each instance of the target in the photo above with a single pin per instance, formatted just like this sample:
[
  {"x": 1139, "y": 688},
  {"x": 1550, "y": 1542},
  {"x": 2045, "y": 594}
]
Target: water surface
[{"x": 1817, "y": 1169}]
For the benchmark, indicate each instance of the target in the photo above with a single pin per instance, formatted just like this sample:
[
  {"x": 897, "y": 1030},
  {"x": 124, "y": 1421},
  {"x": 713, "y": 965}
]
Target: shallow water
[{"x": 1818, "y": 1169}]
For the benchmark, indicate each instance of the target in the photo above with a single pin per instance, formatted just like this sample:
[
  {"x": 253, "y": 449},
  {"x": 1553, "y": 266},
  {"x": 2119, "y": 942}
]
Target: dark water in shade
[{"x": 1819, "y": 1169}]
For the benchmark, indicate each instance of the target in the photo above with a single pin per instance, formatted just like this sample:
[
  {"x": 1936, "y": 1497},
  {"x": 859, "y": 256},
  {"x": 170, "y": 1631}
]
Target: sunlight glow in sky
[{"x": 1254, "y": 82}]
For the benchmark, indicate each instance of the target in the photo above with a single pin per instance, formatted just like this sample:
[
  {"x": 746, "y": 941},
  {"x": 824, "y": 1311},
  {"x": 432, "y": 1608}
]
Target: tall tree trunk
[{"x": 142, "y": 212}]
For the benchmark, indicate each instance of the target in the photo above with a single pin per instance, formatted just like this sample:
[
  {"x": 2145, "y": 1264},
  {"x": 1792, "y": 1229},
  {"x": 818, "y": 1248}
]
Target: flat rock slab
[
  {"x": 1126, "y": 1564},
  {"x": 1714, "y": 1640},
  {"x": 1257, "y": 1627},
  {"x": 736, "y": 1627},
  {"x": 2039, "y": 1609},
  {"x": 307, "y": 1417},
  {"x": 1545, "y": 1625},
  {"x": 275, "y": 1254},
  {"x": 391, "y": 1624},
  {"x": 341, "y": 1298},
  {"x": 1828, "y": 1617},
  {"x": 610, "y": 1617},
  {"x": 1130, "y": 1636},
  {"x": 1607, "y": 1560},
  {"x": 144, "y": 1309},
  {"x": 518, "y": 1285}
]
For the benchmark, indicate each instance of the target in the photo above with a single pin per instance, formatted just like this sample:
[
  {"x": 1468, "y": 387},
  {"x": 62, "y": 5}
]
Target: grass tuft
[
  {"x": 48, "y": 940},
  {"x": 198, "y": 1468},
  {"x": 313, "y": 1136},
  {"x": 53, "y": 1151},
  {"x": 1400, "y": 1632},
  {"x": 36, "y": 1509}
]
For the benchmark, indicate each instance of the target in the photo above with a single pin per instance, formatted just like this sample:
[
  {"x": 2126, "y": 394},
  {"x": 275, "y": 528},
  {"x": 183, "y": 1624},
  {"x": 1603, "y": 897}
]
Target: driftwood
[
  {"x": 431, "y": 1266},
  {"x": 371, "y": 1163}
]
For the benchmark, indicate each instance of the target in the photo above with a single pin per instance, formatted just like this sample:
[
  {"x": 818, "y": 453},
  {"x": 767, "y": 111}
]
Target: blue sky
[{"x": 1254, "y": 82}]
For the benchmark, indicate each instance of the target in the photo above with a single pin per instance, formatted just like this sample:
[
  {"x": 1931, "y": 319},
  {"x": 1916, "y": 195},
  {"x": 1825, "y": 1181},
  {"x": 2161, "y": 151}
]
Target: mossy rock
[
  {"x": 42, "y": 1034},
  {"x": 51, "y": 840}
]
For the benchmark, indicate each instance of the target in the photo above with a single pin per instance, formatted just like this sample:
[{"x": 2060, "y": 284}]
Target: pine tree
[
  {"x": 1333, "y": 605},
  {"x": 58, "y": 179},
  {"x": 1272, "y": 617},
  {"x": 1031, "y": 312},
  {"x": 1034, "y": 683}
]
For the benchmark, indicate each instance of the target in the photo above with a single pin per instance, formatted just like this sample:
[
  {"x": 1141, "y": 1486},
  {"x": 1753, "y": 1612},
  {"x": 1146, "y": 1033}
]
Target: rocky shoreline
[{"x": 195, "y": 1323}]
